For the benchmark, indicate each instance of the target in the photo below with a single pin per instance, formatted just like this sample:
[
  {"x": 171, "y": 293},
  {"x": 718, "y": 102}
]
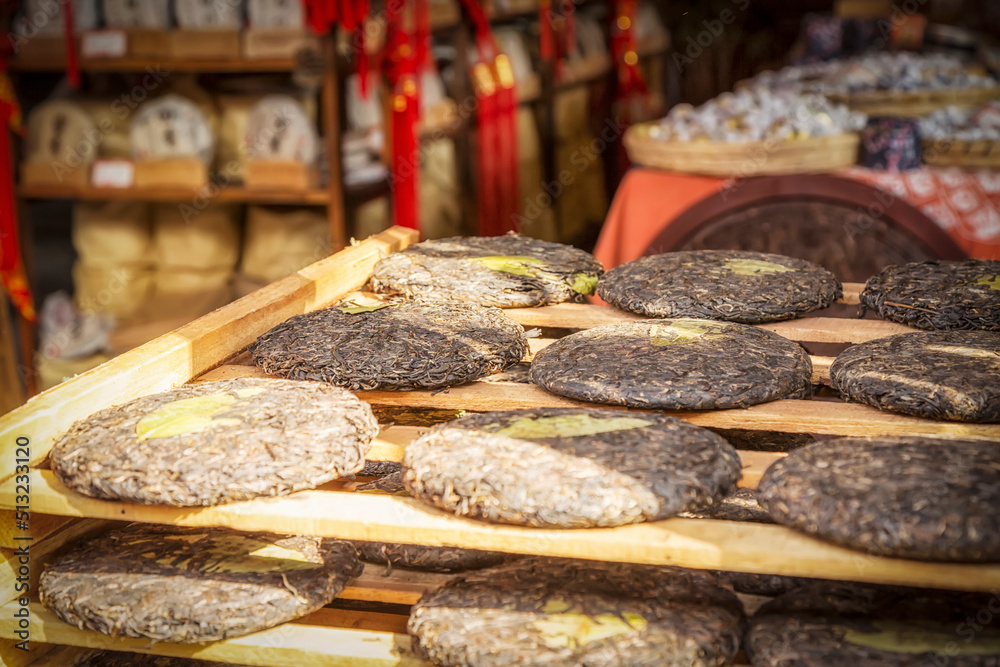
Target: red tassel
[
  {"x": 623, "y": 47},
  {"x": 546, "y": 47},
  {"x": 405, "y": 165},
  {"x": 489, "y": 218},
  {"x": 72, "y": 66}
]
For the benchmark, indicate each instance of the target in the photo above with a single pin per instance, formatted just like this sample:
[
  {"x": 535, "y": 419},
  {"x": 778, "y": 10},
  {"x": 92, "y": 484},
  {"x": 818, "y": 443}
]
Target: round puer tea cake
[
  {"x": 569, "y": 467},
  {"x": 509, "y": 271},
  {"x": 835, "y": 624},
  {"x": 401, "y": 346},
  {"x": 730, "y": 285},
  {"x": 217, "y": 442},
  {"x": 679, "y": 364},
  {"x": 417, "y": 556},
  {"x": 174, "y": 584},
  {"x": 567, "y": 612},
  {"x": 908, "y": 497},
  {"x": 953, "y": 375},
  {"x": 938, "y": 295}
]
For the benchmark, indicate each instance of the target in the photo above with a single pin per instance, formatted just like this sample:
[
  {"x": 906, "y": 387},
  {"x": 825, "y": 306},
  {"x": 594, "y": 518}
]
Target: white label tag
[
  {"x": 104, "y": 44},
  {"x": 112, "y": 174}
]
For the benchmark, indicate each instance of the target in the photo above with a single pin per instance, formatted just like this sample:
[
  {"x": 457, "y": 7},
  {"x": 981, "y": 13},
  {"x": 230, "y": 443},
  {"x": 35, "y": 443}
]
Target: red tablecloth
[{"x": 966, "y": 204}]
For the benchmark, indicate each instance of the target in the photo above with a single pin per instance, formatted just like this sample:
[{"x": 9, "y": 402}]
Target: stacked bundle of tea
[
  {"x": 280, "y": 240},
  {"x": 194, "y": 253},
  {"x": 114, "y": 270}
]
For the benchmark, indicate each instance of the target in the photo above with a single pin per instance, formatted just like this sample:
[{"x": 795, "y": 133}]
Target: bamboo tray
[
  {"x": 213, "y": 347},
  {"x": 740, "y": 160},
  {"x": 915, "y": 103},
  {"x": 981, "y": 154}
]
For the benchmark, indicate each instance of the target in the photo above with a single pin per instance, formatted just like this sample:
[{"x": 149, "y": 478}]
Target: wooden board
[
  {"x": 725, "y": 545},
  {"x": 177, "y": 357},
  {"x": 325, "y": 638}
]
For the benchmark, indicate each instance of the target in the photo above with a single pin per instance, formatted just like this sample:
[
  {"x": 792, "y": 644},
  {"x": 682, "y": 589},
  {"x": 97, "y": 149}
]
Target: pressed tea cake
[
  {"x": 907, "y": 497},
  {"x": 567, "y": 612},
  {"x": 217, "y": 442},
  {"x": 509, "y": 271},
  {"x": 730, "y": 285},
  {"x": 402, "y": 346},
  {"x": 953, "y": 375},
  {"x": 835, "y": 624},
  {"x": 185, "y": 585},
  {"x": 679, "y": 364},
  {"x": 569, "y": 467},
  {"x": 938, "y": 295}
]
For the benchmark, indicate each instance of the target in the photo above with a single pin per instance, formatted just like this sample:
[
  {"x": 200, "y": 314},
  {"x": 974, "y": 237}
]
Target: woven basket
[
  {"x": 915, "y": 103},
  {"x": 750, "y": 158},
  {"x": 979, "y": 154}
]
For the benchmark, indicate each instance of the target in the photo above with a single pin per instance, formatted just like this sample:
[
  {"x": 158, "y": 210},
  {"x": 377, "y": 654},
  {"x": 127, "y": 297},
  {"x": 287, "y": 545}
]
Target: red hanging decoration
[
  {"x": 12, "y": 273},
  {"x": 623, "y": 49},
  {"x": 401, "y": 68},
  {"x": 321, "y": 15},
  {"x": 489, "y": 172},
  {"x": 508, "y": 185},
  {"x": 72, "y": 66},
  {"x": 361, "y": 45},
  {"x": 546, "y": 44}
]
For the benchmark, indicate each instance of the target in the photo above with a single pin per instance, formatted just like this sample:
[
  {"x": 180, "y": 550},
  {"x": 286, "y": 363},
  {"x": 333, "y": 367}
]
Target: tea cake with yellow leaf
[
  {"x": 217, "y": 442},
  {"x": 540, "y": 611},
  {"x": 186, "y": 585},
  {"x": 509, "y": 271},
  {"x": 569, "y": 467},
  {"x": 396, "y": 346},
  {"x": 674, "y": 364},
  {"x": 940, "y": 295},
  {"x": 951, "y": 375},
  {"x": 834, "y": 624},
  {"x": 729, "y": 285}
]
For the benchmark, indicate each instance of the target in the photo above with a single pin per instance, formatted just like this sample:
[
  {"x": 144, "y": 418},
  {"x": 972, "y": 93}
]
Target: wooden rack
[{"x": 213, "y": 347}]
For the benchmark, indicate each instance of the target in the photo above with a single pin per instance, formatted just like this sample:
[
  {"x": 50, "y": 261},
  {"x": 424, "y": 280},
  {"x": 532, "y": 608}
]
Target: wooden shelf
[
  {"x": 211, "y": 193},
  {"x": 164, "y": 64}
]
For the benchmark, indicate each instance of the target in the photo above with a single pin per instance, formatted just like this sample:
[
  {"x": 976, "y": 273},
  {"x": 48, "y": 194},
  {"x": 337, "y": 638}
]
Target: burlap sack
[
  {"x": 120, "y": 290},
  {"x": 189, "y": 293},
  {"x": 112, "y": 232},
  {"x": 185, "y": 237},
  {"x": 281, "y": 240},
  {"x": 112, "y": 119},
  {"x": 440, "y": 205}
]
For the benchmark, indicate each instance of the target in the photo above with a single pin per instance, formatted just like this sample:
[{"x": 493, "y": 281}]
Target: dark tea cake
[
  {"x": 217, "y": 442},
  {"x": 402, "y": 346},
  {"x": 953, "y": 375},
  {"x": 185, "y": 585},
  {"x": 908, "y": 497},
  {"x": 679, "y": 364},
  {"x": 730, "y": 285},
  {"x": 569, "y": 467},
  {"x": 938, "y": 295},
  {"x": 568, "y": 612},
  {"x": 509, "y": 271},
  {"x": 835, "y": 624}
]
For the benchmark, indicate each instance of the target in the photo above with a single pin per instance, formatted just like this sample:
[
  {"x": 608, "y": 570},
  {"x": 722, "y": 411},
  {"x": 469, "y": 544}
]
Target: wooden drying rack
[{"x": 213, "y": 348}]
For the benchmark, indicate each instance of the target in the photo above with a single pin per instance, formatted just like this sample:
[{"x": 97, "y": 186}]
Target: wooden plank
[
  {"x": 852, "y": 292},
  {"x": 396, "y": 586},
  {"x": 15, "y": 657},
  {"x": 41, "y": 553},
  {"x": 176, "y": 357},
  {"x": 788, "y": 416},
  {"x": 40, "y": 527},
  {"x": 317, "y": 639},
  {"x": 50, "y": 655},
  {"x": 697, "y": 543}
]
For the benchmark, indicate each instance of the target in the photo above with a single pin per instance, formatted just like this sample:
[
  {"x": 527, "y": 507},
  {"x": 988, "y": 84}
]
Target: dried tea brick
[
  {"x": 953, "y": 375},
  {"x": 509, "y": 271},
  {"x": 186, "y": 585},
  {"x": 730, "y": 285},
  {"x": 401, "y": 346},
  {"x": 679, "y": 364},
  {"x": 217, "y": 442},
  {"x": 907, "y": 497},
  {"x": 569, "y": 467},
  {"x": 938, "y": 295}
]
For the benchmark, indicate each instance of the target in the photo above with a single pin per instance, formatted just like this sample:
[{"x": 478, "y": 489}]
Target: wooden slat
[
  {"x": 788, "y": 416},
  {"x": 41, "y": 552},
  {"x": 15, "y": 657},
  {"x": 851, "y": 293},
  {"x": 698, "y": 543},
  {"x": 175, "y": 358},
  {"x": 398, "y": 586},
  {"x": 40, "y": 527},
  {"x": 317, "y": 639},
  {"x": 50, "y": 655}
]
